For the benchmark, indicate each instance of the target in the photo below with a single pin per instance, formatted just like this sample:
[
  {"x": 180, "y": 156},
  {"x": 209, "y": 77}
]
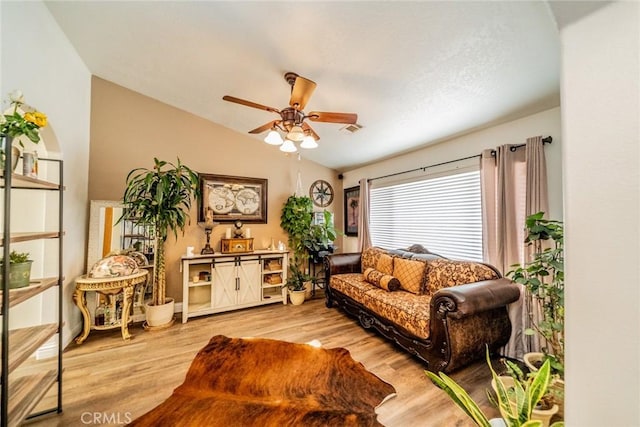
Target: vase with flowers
[{"x": 19, "y": 120}]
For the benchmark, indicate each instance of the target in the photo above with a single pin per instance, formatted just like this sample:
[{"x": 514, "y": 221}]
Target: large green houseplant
[
  {"x": 543, "y": 279},
  {"x": 295, "y": 219},
  {"x": 160, "y": 197}
]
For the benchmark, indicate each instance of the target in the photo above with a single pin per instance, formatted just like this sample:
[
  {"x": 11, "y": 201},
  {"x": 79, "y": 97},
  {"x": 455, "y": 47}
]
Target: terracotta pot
[
  {"x": 297, "y": 297},
  {"x": 160, "y": 315}
]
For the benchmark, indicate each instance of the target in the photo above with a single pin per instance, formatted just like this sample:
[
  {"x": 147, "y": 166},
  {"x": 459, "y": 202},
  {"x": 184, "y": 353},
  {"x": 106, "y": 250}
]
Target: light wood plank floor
[{"x": 106, "y": 375}]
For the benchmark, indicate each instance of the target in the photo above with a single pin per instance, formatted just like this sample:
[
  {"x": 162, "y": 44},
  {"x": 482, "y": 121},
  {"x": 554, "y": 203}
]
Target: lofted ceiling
[{"x": 415, "y": 72}]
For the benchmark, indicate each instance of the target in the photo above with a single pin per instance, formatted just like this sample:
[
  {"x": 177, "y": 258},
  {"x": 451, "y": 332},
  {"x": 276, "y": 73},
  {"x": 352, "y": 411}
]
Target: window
[{"x": 444, "y": 214}]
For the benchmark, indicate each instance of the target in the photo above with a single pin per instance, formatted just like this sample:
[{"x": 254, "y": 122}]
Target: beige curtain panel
[{"x": 514, "y": 185}]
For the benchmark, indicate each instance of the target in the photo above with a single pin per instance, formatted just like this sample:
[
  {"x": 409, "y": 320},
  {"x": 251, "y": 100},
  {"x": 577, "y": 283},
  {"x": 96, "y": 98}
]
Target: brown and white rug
[{"x": 263, "y": 382}]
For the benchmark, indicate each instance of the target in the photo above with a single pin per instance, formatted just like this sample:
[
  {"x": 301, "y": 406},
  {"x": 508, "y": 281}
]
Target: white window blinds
[{"x": 443, "y": 214}]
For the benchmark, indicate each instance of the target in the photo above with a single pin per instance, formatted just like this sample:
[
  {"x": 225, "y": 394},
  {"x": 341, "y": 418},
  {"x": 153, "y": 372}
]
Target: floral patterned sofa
[{"x": 444, "y": 312}]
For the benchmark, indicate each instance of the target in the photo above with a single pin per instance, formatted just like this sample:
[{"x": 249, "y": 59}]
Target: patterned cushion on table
[
  {"x": 114, "y": 266},
  {"x": 411, "y": 274},
  {"x": 443, "y": 273},
  {"x": 385, "y": 264},
  {"x": 370, "y": 257},
  {"x": 381, "y": 280}
]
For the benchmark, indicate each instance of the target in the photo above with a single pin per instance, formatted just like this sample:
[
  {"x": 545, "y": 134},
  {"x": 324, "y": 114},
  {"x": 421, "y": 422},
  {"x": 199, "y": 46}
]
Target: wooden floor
[{"x": 107, "y": 379}]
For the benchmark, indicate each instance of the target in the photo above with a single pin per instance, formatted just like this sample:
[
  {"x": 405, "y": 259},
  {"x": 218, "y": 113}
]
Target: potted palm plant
[{"x": 160, "y": 197}]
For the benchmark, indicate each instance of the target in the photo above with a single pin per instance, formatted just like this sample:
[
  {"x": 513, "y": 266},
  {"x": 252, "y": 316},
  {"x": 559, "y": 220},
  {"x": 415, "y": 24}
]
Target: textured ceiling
[{"x": 415, "y": 72}]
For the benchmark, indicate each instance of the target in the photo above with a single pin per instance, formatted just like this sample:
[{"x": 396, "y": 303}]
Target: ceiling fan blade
[
  {"x": 301, "y": 92},
  {"x": 323, "y": 116},
  {"x": 308, "y": 129},
  {"x": 264, "y": 127},
  {"x": 250, "y": 104}
]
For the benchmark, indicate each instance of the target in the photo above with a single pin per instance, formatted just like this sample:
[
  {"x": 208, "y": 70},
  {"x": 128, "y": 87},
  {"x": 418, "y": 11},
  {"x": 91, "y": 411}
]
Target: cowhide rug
[{"x": 263, "y": 382}]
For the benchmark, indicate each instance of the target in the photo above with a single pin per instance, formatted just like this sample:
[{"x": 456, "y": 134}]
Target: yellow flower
[{"x": 37, "y": 118}]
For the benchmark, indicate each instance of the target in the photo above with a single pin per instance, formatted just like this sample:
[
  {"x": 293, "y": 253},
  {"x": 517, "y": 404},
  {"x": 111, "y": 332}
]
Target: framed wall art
[
  {"x": 351, "y": 202},
  {"x": 231, "y": 198}
]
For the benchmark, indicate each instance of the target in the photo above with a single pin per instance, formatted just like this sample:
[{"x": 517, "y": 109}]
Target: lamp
[
  {"x": 296, "y": 134},
  {"x": 208, "y": 225},
  {"x": 308, "y": 142},
  {"x": 288, "y": 146},
  {"x": 273, "y": 138}
]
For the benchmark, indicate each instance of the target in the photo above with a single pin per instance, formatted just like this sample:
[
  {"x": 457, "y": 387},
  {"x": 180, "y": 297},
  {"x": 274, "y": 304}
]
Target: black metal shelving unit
[{"x": 21, "y": 393}]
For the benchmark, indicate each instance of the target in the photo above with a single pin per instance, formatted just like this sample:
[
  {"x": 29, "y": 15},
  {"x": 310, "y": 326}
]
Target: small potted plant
[
  {"x": 515, "y": 408},
  {"x": 15, "y": 122},
  {"x": 296, "y": 282},
  {"x": 319, "y": 238},
  {"x": 19, "y": 270}
]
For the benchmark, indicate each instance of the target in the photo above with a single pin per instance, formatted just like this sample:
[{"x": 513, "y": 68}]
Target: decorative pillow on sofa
[
  {"x": 370, "y": 257},
  {"x": 411, "y": 274},
  {"x": 385, "y": 264},
  {"x": 381, "y": 280},
  {"x": 444, "y": 273}
]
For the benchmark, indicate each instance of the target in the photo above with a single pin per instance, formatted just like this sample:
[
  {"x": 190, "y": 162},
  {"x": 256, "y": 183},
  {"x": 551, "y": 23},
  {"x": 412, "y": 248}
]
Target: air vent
[{"x": 351, "y": 128}]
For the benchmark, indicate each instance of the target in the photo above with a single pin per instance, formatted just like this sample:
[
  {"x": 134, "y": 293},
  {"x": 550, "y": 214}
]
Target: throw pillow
[
  {"x": 410, "y": 273},
  {"x": 443, "y": 273},
  {"x": 385, "y": 264},
  {"x": 370, "y": 257},
  {"x": 381, "y": 280}
]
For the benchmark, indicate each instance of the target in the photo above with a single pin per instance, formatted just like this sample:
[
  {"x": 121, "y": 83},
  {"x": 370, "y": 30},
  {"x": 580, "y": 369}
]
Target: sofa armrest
[
  {"x": 464, "y": 300},
  {"x": 342, "y": 263}
]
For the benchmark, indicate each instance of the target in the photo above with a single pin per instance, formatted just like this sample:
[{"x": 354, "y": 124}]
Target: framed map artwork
[{"x": 231, "y": 198}]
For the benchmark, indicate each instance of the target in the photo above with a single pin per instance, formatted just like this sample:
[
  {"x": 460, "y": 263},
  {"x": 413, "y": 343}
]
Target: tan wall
[{"x": 128, "y": 130}]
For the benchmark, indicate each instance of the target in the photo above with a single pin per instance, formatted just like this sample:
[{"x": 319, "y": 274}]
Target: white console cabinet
[{"x": 221, "y": 282}]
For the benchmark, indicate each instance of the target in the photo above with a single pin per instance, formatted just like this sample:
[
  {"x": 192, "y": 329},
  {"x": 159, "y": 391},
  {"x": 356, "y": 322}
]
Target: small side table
[{"x": 107, "y": 286}]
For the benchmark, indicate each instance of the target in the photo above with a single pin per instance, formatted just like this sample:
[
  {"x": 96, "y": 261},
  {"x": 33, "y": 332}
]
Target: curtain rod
[{"x": 546, "y": 140}]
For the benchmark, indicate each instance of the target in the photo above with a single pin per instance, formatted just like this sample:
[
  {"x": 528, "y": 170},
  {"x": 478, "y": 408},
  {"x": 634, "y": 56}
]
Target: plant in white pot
[
  {"x": 296, "y": 282},
  {"x": 295, "y": 219},
  {"x": 160, "y": 197}
]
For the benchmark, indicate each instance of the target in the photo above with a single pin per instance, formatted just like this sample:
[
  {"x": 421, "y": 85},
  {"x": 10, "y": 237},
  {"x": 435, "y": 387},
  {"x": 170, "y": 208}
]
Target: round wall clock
[{"x": 321, "y": 193}]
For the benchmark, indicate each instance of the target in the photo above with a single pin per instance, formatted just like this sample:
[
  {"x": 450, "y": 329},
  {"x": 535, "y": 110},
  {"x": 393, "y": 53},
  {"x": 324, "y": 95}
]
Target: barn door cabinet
[
  {"x": 24, "y": 386},
  {"x": 222, "y": 282}
]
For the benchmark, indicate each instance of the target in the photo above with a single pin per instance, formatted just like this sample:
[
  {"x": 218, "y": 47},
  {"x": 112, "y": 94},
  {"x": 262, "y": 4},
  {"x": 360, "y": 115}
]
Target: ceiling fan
[{"x": 292, "y": 118}]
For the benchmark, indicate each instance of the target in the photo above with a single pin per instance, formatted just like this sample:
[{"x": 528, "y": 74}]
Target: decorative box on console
[{"x": 233, "y": 246}]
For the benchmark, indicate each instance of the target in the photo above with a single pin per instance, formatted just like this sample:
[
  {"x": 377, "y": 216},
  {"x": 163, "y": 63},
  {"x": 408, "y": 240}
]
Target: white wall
[
  {"x": 546, "y": 123},
  {"x": 38, "y": 59},
  {"x": 600, "y": 113}
]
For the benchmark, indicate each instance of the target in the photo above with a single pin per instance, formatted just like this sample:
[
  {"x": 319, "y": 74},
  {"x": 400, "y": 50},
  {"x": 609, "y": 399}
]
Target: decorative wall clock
[{"x": 321, "y": 193}]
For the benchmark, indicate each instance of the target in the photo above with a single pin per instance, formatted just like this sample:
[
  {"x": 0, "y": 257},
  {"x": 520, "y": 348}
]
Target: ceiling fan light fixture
[
  {"x": 288, "y": 146},
  {"x": 308, "y": 142},
  {"x": 273, "y": 138},
  {"x": 296, "y": 134}
]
